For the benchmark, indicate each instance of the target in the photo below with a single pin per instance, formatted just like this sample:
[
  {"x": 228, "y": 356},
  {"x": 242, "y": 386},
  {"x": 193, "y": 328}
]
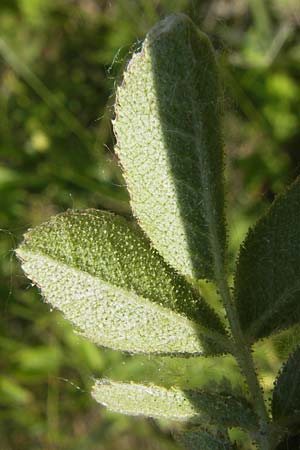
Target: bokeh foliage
[{"x": 60, "y": 61}]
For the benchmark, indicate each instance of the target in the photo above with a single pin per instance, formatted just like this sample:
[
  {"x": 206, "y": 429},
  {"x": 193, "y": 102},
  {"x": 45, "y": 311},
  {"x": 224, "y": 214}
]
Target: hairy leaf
[
  {"x": 169, "y": 143},
  {"x": 267, "y": 284},
  {"x": 286, "y": 394},
  {"x": 174, "y": 404},
  {"x": 204, "y": 440},
  {"x": 102, "y": 273}
]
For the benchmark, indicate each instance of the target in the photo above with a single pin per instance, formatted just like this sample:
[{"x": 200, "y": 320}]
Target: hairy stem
[
  {"x": 245, "y": 360},
  {"x": 242, "y": 349}
]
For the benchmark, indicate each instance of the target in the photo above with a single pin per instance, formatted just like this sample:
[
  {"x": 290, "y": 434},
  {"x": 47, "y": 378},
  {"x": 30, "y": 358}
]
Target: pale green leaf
[
  {"x": 102, "y": 273},
  {"x": 267, "y": 282},
  {"x": 204, "y": 440},
  {"x": 169, "y": 143},
  {"x": 193, "y": 406},
  {"x": 286, "y": 394}
]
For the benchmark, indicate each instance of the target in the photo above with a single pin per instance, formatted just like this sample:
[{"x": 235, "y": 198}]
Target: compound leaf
[
  {"x": 169, "y": 143},
  {"x": 286, "y": 394},
  {"x": 102, "y": 273},
  {"x": 267, "y": 283},
  {"x": 204, "y": 440},
  {"x": 193, "y": 406}
]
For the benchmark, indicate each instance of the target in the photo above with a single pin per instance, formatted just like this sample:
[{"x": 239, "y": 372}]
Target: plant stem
[
  {"x": 242, "y": 352},
  {"x": 242, "y": 349},
  {"x": 245, "y": 361}
]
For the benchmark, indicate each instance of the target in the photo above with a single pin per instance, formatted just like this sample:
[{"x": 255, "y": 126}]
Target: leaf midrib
[
  {"x": 205, "y": 185},
  {"x": 219, "y": 338}
]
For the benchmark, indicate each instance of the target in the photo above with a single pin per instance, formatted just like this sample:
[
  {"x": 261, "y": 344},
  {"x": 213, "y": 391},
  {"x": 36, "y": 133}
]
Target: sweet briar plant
[{"x": 134, "y": 287}]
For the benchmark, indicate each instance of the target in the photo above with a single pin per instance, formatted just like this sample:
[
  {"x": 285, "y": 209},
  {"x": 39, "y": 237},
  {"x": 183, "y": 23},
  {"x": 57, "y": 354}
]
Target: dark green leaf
[
  {"x": 267, "y": 283},
  {"x": 286, "y": 394},
  {"x": 204, "y": 440}
]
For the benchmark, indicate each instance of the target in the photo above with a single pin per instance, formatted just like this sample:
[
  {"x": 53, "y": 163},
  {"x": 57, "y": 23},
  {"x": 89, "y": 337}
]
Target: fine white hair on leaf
[
  {"x": 169, "y": 143},
  {"x": 105, "y": 277}
]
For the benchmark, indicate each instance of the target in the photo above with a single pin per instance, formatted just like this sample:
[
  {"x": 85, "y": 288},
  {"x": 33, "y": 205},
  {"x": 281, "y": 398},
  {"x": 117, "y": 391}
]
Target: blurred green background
[{"x": 60, "y": 61}]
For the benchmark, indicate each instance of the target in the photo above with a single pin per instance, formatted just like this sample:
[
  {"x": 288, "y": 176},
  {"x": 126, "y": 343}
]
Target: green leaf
[
  {"x": 169, "y": 143},
  {"x": 267, "y": 283},
  {"x": 193, "y": 406},
  {"x": 286, "y": 394},
  {"x": 204, "y": 440},
  {"x": 102, "y": 273}
]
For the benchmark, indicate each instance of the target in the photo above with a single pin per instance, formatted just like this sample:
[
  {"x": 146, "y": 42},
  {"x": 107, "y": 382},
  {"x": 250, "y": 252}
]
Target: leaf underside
[
  {"x": 102, "y": 273},
  {"x": 193, "y": 406},
  {"x": 286, "y": 394},
  {"x": 267, "y": 283},
  {"x": 169, "y": 143}
]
